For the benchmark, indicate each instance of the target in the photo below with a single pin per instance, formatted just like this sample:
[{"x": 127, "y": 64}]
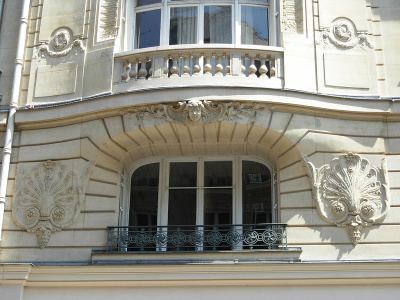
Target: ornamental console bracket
[
  {"x": 49, "y": 198},
  {"x": 350, "y": 193}
]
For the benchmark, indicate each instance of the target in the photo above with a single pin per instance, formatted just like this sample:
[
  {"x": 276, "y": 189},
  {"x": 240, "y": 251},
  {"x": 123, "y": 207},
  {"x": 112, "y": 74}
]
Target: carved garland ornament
[
  {"x": 350, "y": 192},
  {"x": 48, "y": 199},
  {"x": 194, "y": 112},
  {"x": 343, "y": 34},
  {"x": 60, "y": 43},
  {"x": 108, "y": 19}
]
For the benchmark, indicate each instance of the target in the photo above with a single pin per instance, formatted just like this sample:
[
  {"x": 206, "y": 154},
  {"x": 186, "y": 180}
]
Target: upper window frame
[{"x": 128, "y": 34}]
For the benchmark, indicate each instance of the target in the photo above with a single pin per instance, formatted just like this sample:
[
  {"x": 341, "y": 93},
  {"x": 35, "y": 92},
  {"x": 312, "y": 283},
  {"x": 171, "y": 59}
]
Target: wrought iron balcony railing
[{"x": 197, "y": 238}]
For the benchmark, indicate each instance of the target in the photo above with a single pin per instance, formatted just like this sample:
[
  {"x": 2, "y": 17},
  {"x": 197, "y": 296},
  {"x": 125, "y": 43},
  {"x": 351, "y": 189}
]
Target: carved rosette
[
  {"x": 350, "y": 192},
  {"x": 62, "y": 43},
  {"x": 195, "y": 112},
  {"x": 343, "y": 34},
  {"x": 47, "y": 199}
]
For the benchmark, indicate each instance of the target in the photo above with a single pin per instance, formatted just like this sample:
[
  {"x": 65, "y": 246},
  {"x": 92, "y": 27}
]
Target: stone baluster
[
  {"x": 133, "y": 71},
  {"x": 150, "y": 71},
  {"x": 228, "y": 67},
  {"x": 242, "y": 67},
  {"x": 207, "y": 65},
  {"x": 174, "y": 69},
  {"x": 126, "y": 70},
  {"x": 196, "y": 65},
  {"x": 186, "y": 66},
  {"x": 263, "y": 68},
  {"x": 218, "y": 66},
  {"x": 166, "y": 69},
  {"x": 272, "y": 72},
  {"x": 142, "y": 72},
  {"x": 252, "y": 68}
]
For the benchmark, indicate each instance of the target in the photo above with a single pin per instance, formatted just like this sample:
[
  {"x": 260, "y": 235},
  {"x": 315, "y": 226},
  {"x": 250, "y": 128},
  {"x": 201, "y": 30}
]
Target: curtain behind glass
[
  {"x": 218, "y": 24},
  {"x": 254, "y": 25},
  {"x": 183, "y": 25}
]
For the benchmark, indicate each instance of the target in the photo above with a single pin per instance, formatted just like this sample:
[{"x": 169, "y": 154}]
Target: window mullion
[
  {"x": 163, "y": 193},
  {"x": 200, "y": 22},
  {"x": 237, "y": 23},
  {"x": 200, "y": 192}
]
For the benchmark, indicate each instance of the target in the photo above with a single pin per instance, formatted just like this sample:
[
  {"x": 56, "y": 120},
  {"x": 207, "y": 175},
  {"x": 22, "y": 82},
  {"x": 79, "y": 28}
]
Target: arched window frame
[{"x": 162, "y": 212}]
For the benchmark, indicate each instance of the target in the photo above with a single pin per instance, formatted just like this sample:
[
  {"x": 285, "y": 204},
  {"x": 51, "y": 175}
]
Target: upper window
[{"x": 173, "y": 22}]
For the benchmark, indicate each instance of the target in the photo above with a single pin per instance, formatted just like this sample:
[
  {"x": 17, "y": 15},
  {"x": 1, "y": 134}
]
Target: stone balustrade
[{"x": 200, "y": 60}]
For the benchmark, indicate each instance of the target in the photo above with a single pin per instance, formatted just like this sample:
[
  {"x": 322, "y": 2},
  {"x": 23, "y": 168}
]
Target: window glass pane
[
  {"x": 183, "y": 174},
  {"x": 217, "y": 173},
  {"x": 183, "y": 25},
  {"x": 217, "y": 206},
  {"x": 146, "y": 2},
  {"x": 218, "y": 24},
  {"x": 144, "y": 196},
  {"x": 182, "y": 207},
  {"x": 254, "y": 25},
  {"x": 148, "y": 28},
  {"x": 256, "y": 193}
]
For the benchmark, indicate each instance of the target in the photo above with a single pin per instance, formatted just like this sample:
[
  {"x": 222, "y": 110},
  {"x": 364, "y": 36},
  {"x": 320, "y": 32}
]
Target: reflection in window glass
[
  {"x": 146, "y": 2},
  {"x": 218, "y": 24},
  {"x": 148, "y": 28},
  {"x": 217, "y": 206},
  {"x": 217, "y": 173},
  {"x": 183, "y": 174},
  {"x": 144, "y": 196},
  {"x": 256, "y": 193},
  {"x": 254, "y": 25},
  {"x": 183, "y": 25}
]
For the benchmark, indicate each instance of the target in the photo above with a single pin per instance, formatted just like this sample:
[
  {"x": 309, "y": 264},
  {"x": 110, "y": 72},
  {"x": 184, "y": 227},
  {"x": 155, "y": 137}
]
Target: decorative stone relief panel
[
  {"x": 48, "y": 198},
  {"x": 195, "y": 112},
  {"x": 350, "y": 193},
  {"x": 108, "y": 20},
  {"x": 343, "y": 34},
  {"x": 62, "y": 43},
  {"x": 292, "y": 16}
]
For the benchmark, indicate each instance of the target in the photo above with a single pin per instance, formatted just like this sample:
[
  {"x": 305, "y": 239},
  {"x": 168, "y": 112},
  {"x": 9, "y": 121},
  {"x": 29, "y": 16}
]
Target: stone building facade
[{"x": 207, "y": 148}]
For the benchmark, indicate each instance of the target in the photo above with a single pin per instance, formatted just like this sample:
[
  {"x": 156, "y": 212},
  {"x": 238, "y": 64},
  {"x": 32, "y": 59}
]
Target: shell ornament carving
[
  {"x": 350, "y": 192},
  {"x": 343, "y": 34},
  {"x": 195, "y": 112},
  {"x": 47, "y": 199}
]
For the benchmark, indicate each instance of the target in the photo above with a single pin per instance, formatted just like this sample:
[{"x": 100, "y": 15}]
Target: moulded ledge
[{"x": 290, "y": 254}]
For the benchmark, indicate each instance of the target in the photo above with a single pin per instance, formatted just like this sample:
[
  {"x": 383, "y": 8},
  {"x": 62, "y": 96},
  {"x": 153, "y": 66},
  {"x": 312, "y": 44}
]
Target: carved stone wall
[
  {"x": 350, "y": 192},
  {"x": 107, "y": 20},
  {"x": 47, "y": 199},
  {"x": 292, "y": 16}
]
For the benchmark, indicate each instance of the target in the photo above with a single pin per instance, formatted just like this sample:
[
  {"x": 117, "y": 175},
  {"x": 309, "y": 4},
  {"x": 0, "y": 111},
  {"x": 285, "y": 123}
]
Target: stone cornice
[
  {"x": 368, "y": 109},
  {"x": 252, "y": 274}
]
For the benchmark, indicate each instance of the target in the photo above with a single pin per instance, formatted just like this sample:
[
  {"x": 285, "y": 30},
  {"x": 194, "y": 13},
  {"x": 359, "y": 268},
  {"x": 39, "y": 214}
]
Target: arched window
[
  {"x": 154, "y": 23},
  {"x": 188, "y": 194}
]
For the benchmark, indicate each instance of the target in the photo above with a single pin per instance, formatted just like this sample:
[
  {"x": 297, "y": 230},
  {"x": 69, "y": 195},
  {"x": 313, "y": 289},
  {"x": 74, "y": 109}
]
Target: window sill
[{"x": 290, "y": 254}]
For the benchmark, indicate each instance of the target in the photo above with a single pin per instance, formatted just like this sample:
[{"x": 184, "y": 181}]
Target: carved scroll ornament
[
  {"x": 350, "y": 192},
  {"x": 343, "y": 34},
  {"x": 48, "y": 199},
  {"x": 194, "y": 112}
]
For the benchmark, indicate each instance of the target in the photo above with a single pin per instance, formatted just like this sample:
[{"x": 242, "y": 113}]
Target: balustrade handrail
[
  {"x": 201, "y": 60},
  {"x": 197, "y": 238},
  {"x": 197, "y": 48}
]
